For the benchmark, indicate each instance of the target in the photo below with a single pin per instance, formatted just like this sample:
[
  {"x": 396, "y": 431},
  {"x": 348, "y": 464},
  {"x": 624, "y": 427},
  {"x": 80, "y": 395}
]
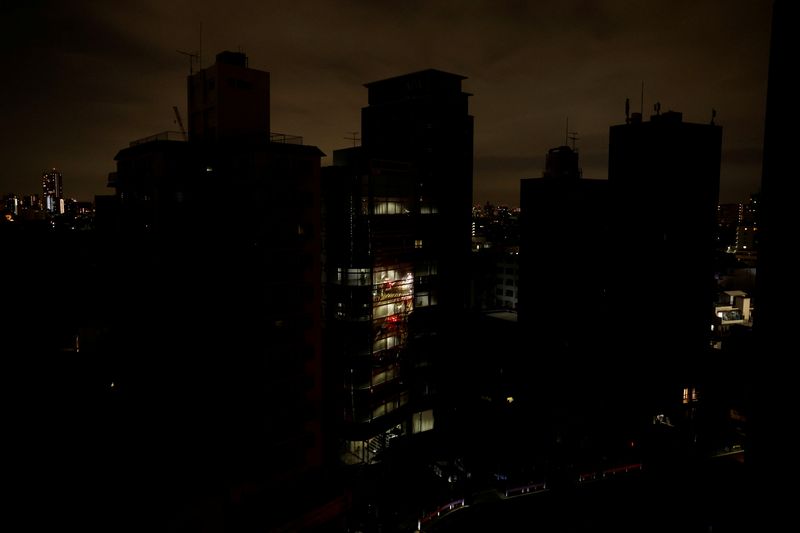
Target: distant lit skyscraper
[
  {"x": 728, "y": 217},
  {"x": 52, "y": 192},
  {"x": 746, "y": 247},
  {"x": 12, "y": 204}
]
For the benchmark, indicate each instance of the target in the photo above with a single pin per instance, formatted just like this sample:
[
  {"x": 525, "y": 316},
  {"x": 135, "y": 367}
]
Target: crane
[{"x": 180, "y": 121}]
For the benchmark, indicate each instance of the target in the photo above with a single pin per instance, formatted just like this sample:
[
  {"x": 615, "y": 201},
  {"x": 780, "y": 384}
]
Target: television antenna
[
  {"x": 570, "y": 136},
  {"x": 193, "y": 56},
  {"x": 353, "y": 137}
]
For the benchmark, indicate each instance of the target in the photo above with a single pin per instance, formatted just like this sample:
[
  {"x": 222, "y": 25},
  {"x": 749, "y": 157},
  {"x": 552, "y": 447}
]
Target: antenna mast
[
  {"x": 353, "y": 137},
  {"x": 566, "y": 133},
  {"x": 641, "y": 102},
  {"x": 570, "y": 136},
  {"x": 193, "y": 56}
]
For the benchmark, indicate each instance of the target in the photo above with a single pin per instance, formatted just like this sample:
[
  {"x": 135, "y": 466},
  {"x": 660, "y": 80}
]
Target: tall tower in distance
[
  {"x": 664, "y": 177},
  {"x": 52, "y": 192},
  {"x": 228, "y": 100}
]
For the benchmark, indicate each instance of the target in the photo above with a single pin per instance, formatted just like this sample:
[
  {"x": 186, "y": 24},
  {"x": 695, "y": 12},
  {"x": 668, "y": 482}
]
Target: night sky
[{"x": 86, "y": 78}]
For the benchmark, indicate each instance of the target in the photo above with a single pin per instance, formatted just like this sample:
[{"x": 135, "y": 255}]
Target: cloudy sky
[{"x": 86, "y": 77}]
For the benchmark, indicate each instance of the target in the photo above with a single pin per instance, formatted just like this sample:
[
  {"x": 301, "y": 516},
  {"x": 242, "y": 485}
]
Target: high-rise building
[
  {"x": 12, "y": 204},
  {"x": 52, "y": 192},
  {"x": 397, "y": 242},
  {"x": 747, "y": 237},
  {"x": 238, "y": 286},
  {"x": 228, "y": 99},
  {"x": 369, "y": 296},
  {"x": 664, "y": 178},
  {"x": 773, "y": 384},
  {"x": 728, "y": 216},
  {"x": 423, "y": 119},
  {"x": 564, "y": 246}
]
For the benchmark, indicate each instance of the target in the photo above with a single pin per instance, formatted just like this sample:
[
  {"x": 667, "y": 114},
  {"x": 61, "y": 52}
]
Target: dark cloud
[{"x": 87, "y": 77}]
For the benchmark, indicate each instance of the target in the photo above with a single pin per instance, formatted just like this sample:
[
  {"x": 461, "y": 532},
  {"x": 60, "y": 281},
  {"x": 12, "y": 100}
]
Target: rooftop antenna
[
  {"x": 627, "y": 111},
  {"x": 570, "y": 136},
  {"x": 200, "y": 53},
  {"x": 657, "y": 107},
  {"x": 713, "y": 115},
  {"x": 641, "y": 102},
  {"x": 193, "y": 56},
  {"x": 573, "y": 137},
  {"x": 353, "y": 137}
]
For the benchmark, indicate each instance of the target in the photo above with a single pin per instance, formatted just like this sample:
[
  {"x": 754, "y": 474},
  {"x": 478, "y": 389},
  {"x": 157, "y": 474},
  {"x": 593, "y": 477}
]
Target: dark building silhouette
[
  {"x": 227, "y": 359},
  {"x": 664, "y": 180},
  {"x": 564, "y": 255},
  {"x": 562, "y": 310},
  {"x": 773, "y": 398},
  {"x": 397, "y": 241},
  {"x": 228, "y": 99}
]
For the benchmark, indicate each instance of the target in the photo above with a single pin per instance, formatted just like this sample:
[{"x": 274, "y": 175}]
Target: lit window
[{"x": 418, "y": 243}]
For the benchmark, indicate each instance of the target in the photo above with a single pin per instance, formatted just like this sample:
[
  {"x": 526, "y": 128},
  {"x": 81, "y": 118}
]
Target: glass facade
[{"x": 370, "y": 294}]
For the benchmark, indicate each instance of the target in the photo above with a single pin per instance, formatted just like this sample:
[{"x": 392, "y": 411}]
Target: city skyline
[
  {"x": 309, "y": 305},
  {"x": 93, "y": 78}
]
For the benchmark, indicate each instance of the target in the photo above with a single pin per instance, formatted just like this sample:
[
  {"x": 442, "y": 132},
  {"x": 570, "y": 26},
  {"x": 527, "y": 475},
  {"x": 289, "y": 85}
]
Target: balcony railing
[{"x": 163, "y": 136}]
